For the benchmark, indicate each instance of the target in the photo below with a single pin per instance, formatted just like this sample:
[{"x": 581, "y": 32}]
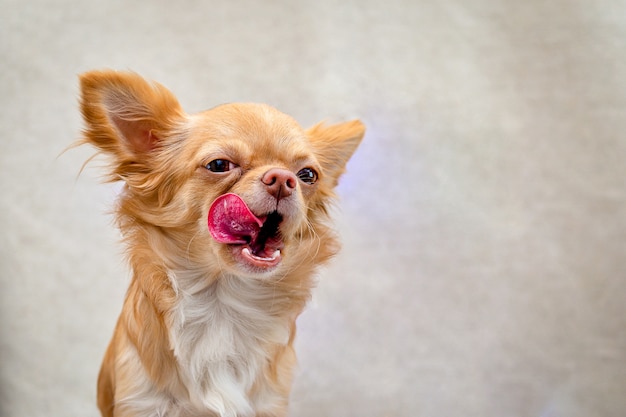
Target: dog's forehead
[
  {"x": 257, "y": 118},
  {"x": 258, "y": 127}
]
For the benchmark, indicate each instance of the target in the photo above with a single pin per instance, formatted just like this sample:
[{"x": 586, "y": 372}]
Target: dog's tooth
[{"x": 273, "y": 257}]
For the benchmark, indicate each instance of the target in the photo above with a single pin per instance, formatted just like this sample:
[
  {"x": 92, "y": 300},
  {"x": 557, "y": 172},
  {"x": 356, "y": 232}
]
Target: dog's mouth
[{"x": 256, "y": 241}]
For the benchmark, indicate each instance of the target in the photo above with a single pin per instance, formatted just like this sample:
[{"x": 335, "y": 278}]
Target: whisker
[{"x": 189, "y": 246}]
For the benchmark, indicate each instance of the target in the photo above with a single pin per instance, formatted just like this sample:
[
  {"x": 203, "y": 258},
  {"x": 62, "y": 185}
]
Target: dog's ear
[
  {"x": 127, "y": 117},
  {"x": 334, "y": 145}
]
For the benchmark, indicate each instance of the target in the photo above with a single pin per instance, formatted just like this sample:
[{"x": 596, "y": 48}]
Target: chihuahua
[{"x": 225, "y": 218}]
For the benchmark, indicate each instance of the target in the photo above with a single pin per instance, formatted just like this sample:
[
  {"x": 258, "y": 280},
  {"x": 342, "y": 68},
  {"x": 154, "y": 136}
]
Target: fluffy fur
[{"x": 204, "y": 330}]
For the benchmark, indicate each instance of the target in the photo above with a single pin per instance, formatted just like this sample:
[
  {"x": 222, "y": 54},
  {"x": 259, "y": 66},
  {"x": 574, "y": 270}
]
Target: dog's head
[{"x": 240, "y": 187}]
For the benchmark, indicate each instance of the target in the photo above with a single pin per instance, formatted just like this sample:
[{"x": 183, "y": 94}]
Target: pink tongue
[{"x": 231, "y": 221}]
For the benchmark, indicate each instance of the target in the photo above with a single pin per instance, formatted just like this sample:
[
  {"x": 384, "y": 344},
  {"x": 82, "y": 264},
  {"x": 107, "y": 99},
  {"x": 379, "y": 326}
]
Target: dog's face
[
  {"x": 240, "y": 187},
  {"x": 257, "y": 176}
]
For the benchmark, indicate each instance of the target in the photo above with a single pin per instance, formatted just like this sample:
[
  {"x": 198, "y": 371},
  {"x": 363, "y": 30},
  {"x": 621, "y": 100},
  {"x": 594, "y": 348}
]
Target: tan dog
[{"x": 224, "y": 214}]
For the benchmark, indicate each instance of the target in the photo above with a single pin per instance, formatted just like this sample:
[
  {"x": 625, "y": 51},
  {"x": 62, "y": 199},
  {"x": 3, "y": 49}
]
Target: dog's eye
[
  {"x": 307, "y": 175},
  {"x": 220, "y": 165}
]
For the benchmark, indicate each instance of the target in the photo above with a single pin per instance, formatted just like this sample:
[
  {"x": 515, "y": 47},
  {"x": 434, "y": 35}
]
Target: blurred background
[{"x": 483, "y": 218}]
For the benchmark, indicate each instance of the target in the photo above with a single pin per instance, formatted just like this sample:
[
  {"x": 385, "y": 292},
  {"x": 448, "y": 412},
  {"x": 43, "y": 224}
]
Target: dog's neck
[
  {"x": 222, "y": 330},
  {"x": 223, "y": 333}
]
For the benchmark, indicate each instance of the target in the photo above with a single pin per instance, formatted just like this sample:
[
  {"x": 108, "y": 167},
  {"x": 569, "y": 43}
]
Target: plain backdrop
[{"x": 483, "y": 219}]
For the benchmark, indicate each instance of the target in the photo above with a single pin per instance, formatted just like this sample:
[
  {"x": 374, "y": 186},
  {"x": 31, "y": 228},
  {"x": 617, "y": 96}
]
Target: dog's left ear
[
  {"x": 136, "y": 123},
  {"x": 127, "y": 118},
  {"x": 334, "y": 145}
]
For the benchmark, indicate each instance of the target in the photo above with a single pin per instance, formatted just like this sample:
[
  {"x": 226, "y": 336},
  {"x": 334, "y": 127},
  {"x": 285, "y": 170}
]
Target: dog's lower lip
[
  {"x": 247, "y": 252},
  {"x": 246, "y": 256}
]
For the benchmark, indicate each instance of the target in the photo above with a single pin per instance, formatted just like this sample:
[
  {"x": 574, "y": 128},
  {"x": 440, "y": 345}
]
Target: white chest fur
[{"x": 219, "y": 334}]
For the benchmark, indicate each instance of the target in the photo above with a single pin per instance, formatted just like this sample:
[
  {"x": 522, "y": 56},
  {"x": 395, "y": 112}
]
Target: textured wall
[{"x": 483, "y": 218}]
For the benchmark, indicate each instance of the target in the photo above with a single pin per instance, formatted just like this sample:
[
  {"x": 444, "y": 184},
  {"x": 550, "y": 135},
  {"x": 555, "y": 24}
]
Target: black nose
[{"x": 279, "y": 183}]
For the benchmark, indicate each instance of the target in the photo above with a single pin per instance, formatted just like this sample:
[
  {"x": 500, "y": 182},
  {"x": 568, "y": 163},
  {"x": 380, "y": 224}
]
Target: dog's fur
[{"x": 203, "y": 331}]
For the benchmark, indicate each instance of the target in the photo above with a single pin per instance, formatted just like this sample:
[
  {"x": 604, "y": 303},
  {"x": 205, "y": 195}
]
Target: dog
[{"x": 225, "y": 219}]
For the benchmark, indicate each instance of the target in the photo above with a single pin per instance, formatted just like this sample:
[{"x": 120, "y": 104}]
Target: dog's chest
[{"x": 220, "y": 336}]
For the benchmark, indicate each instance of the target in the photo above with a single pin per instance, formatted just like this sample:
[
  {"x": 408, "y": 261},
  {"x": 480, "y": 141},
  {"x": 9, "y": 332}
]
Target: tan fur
[{"x": 200, "y": 332}]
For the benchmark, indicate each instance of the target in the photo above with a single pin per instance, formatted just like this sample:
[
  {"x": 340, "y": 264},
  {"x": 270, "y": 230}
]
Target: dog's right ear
[{"x": 127, "y": 118}]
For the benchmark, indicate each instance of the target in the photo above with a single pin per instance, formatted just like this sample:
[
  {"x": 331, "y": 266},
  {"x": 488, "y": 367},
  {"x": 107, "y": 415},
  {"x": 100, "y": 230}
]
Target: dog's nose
[{"x": 280, "y": 183}]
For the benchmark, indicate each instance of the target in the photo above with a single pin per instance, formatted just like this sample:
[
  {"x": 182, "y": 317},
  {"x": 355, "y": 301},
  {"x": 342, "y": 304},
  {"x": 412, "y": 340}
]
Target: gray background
[{"x": 483, "y": 218}]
